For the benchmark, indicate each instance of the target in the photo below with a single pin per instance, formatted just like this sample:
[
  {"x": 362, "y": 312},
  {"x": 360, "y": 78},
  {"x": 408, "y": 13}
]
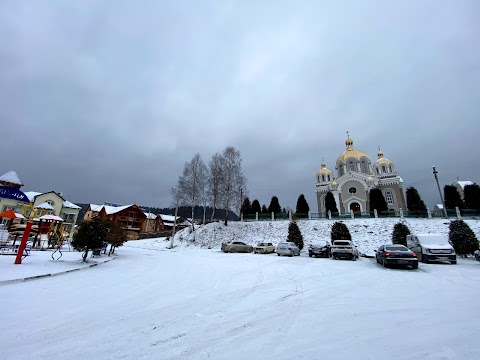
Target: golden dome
[
  {"x": 333, "y": 185},
  {"x": 381, "y": 160},
  {"x": 351, "y": 152},
  {"x": 324, "y": 170}
]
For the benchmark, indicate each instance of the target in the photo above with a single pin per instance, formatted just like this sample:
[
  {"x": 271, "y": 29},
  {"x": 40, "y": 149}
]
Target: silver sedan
[{"x": 287, "y": 248}]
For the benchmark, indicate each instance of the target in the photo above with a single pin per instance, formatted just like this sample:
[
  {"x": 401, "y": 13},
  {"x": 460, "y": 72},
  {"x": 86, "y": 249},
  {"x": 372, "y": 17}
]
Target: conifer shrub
[
  {"x": 399, "y": 234},
  {"x": 463, "y": 239},
  {"x": 295, "y": 235},
  {"x": 340, "y": 232}
]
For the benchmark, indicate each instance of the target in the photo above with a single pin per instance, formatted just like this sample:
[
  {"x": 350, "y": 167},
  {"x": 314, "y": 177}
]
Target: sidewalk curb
[{"x": 29, "y": 278}]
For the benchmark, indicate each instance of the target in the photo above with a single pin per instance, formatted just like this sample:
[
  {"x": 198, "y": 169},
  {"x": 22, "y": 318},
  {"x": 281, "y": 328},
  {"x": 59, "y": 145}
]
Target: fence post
[
  {"x": 351, "y": 214},
  {"x": 459, "y": 216},
  {"x": 256, "y": 216},
  {"x": 329, "y": 215},
  {"x": 375, "y": 212},
  {"x": 401, "y": 213},
  {"x": 309, "y": 215},
  {"x": 429, "y": 213},
  {"x": 273, "y": 216}
]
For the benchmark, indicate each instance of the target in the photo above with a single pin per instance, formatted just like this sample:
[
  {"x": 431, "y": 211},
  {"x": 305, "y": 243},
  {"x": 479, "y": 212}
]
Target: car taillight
[
  {"x": 289, "y": 248},
  {"x": 413, "y": 255},
  {"x": 387, "y": 254}
]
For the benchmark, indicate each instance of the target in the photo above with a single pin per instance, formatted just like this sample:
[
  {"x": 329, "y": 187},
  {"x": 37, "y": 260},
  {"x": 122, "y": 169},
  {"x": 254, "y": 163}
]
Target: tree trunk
[
  {"x": 110, "y": 251},
  {"x": 113, "y": 252},
  {"x": 193, "y": 212}
]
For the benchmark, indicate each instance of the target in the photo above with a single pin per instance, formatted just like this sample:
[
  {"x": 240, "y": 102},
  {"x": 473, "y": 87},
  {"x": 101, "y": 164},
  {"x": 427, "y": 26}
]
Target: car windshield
[
  {"x": 396, "y": 248},
  {"x": 262, "y": 244},
  {"x": 342, "y": 243}
]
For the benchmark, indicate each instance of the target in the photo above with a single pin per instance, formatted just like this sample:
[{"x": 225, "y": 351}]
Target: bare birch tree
[
  {"x": 233, "y": 180},
  {"x": 215, "y": 179},
  {"x": 191, "y": 184}
]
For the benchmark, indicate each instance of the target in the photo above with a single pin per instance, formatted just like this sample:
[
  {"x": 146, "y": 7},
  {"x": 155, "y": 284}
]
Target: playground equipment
[{"x": 56, "y": 238}]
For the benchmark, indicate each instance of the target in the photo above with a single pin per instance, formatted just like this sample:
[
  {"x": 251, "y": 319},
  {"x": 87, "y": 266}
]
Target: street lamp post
[
  {"x": 435, "y": 172},
  {"x": 175, "y": 218}
]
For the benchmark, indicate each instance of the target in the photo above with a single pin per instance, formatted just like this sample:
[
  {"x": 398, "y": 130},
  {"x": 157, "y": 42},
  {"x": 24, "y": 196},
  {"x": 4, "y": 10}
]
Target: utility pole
[
  {"x": 174, "y": 219},
  {"x": 435, "y": 172}
]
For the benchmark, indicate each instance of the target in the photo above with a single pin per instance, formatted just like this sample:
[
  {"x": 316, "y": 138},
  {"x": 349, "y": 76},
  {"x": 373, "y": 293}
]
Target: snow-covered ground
[
  {"x": 197, "y": 303},
  {"x": 367, "y": 234}
]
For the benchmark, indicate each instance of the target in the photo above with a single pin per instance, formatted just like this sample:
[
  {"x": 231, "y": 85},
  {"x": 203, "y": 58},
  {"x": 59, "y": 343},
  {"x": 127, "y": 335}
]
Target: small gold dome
[
  {"x": 324, "y": 170},
  {"x": 333, "y": 185},
  {"x": 370, "y": 181},
  {"x": 351, "y": 152}
]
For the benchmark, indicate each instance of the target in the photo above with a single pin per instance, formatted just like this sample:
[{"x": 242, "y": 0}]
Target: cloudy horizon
[{"x": 106, "y": 101}]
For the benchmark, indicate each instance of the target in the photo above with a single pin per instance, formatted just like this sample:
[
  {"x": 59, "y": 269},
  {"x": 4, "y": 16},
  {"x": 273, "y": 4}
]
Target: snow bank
[{"x": 367, "y": 234}]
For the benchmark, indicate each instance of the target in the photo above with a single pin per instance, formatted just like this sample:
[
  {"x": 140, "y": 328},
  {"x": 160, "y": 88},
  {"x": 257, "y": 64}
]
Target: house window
[
  {"x": 50, "y": 202},
  {"x": 352, "y": 190},
  {"x": 7, "y": 207},
  {"x": 389, "y": 197}
]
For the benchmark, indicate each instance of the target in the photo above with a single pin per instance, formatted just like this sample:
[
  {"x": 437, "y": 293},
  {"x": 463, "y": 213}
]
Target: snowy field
[{"x": 198, "y": 303}]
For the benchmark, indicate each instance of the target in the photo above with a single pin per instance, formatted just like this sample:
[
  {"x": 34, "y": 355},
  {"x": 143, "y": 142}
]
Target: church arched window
[
  {"x": 364, "y": 166},
  {"x": 328, "y": 177},
  {"x": 384, "y": 169},
  {"x": 391, "y": 168},
  {"x": 351, "y": 165},
  {"x": 323, "y": 177},
  {"x": 389, "y": 197},
  {"x": 340, "y": 169},
  {"x": 376, "y": 169}
]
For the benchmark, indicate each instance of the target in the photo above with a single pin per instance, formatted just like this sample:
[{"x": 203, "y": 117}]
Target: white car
[
  {"x": 287, "y": 248},
  {"x": 264, "y": 248}
]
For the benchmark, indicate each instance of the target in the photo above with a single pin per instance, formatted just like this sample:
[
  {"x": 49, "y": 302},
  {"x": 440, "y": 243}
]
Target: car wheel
[
  {"x": 453, "y": 262},
  {"x": 384, "y": 263},
  {"x": 354, "y": 258},
  {"x": 278, "y": 254},
  {"x": 415, "y": 267},
  {"x": 232, "y": 250}
]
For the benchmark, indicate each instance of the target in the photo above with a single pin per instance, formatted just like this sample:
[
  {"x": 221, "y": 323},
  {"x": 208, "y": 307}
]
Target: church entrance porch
[{"x": 355, "y": 207}]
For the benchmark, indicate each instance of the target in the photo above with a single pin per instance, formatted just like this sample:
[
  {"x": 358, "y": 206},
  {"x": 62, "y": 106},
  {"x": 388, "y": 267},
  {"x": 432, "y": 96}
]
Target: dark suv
[{"x": 322, "y": 248}]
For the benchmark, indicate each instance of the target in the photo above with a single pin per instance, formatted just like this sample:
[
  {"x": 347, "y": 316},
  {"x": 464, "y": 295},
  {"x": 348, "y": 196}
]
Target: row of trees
[
  {"x": 250, "y": 208},
  {"x": 471, "y": 197},
  {"x": 221, "y": 183}
]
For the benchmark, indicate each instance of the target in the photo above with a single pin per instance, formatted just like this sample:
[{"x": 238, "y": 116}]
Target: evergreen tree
[
  {"x": 377, "y": 201},
  {"x": 399, "y": 235},
  {"x": 90, "y": 235},
  {"x": 116, "y": 236},
  {"x": 462, "y": 238},
  {"x": 415, "y": 203},
  {"x": 246, "y": 206},
  {"x": 264, "y": 209},
  {"x": 274, "y": 206},
  {"x": 256, "y": 208},
  {"x": 295, "y": 235},
  {"x": 471, "y": 196},
  {"x": 452, "y": 197},
  {"x": 302, "y": 207},
  {"x": 340, "y": 232},
  {"x": 284, "y": 210},
  {"x": 330, "y": 203}
]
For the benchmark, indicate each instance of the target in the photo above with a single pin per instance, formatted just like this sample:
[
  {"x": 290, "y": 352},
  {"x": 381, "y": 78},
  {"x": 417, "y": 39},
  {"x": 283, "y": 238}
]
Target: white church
[{"x": 355, "y": 177}]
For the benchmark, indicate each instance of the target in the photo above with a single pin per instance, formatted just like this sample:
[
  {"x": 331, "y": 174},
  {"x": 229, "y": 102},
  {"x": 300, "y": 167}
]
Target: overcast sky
[{"x": 106, "y": 100}]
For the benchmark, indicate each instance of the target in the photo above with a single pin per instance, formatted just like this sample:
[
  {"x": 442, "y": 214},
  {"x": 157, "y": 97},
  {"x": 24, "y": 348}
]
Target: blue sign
[{"x": 12, "y": 193}]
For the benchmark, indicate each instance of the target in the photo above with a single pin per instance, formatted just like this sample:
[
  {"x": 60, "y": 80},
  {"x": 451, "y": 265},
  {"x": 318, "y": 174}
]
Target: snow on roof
[
  {"x": 464, "y": 183},
  {"x": 45, "y": 205},
  {"x": 114, "y": 209},
  {"x": 95, "y": 207},
  {"x": 11, "y": 177},
  {"x": 439, "y": 206},
  {"x": 167, "y": 218},
  {"x": 31, "y": 194},
  {"x": 70, "y": 205},
  {"x": 150, "y": 215}
]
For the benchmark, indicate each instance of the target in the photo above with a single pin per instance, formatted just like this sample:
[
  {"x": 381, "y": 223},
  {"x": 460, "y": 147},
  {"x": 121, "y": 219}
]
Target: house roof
[
  {"x": 11, "y": 177},
  {"x": 45, "y": 205},
  {"x": 70, "y": 205},
  {"x": 168, "y": 218},
  {"x": 109, "y": 210},
  {"x": 150, "y": 215},
  {"x": 464, "y": 183}
]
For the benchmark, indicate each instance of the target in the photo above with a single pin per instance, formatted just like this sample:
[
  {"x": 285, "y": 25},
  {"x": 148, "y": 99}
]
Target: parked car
[
  {"x": 287, "y": 248},
  {"x": 431, "y": 247},
  {"x": 396, "y": 255},
  {"x": 322, "y": 248},
  {"x": 236, "y": 246},
  {"x": 477, "y": 255},
  {"x": 344, "y": 249},
  {"x": 264, "y": 248}
]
